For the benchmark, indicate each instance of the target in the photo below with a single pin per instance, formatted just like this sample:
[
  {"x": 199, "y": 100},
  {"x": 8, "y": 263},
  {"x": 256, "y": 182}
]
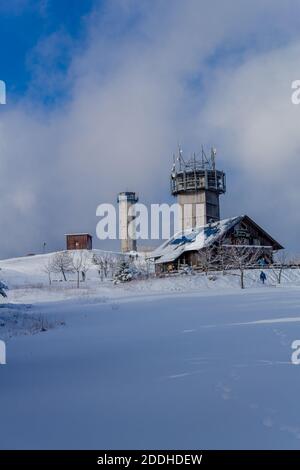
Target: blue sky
[
  {"x": 100, "y": 93},
  {"x": 23, "y": 25}
]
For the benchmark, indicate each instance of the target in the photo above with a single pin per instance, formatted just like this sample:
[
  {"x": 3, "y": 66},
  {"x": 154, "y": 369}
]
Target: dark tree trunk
[{"x": 242, "y": 279}]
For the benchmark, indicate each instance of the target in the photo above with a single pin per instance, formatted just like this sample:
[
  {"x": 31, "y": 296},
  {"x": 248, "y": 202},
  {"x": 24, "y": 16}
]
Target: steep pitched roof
[
  {"x": 273, "y": 242},
  {"x": 202, "y": 237}
]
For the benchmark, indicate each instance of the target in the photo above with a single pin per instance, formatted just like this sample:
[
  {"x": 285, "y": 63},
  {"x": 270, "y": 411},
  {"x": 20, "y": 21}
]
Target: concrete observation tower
[
  {"x": 127, "y": 201},
  {"x": 197, "y": 184}
]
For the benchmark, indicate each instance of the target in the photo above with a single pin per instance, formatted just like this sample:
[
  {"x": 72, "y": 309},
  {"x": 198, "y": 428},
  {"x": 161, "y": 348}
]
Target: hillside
[{"x": 28, "y": 281}]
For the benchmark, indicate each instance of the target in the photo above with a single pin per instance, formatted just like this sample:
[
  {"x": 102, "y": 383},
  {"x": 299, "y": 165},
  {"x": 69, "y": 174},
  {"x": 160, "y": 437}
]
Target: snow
[
  {"x": 23, "y": 319},
  {"x": 181, "y": 362},
  {"x": 193, "y": 239}
]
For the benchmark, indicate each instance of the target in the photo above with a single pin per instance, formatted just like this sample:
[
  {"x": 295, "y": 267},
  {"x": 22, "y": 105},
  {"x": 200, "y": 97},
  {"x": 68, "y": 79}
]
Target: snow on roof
[
  {"x": 77, "y": 234},
  {"x": 193, "y": 239}
]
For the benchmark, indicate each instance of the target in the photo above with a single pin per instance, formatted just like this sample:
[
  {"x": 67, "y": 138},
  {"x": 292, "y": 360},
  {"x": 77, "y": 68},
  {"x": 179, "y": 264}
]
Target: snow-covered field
[{"x": 189, "y": 362}]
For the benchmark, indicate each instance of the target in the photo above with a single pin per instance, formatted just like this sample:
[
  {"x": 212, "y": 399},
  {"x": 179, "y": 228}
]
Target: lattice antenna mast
[
  {"x": 180, "y": 159},
  {"x": 195, "y": 162},
  {"x": 213, "y": 155}
]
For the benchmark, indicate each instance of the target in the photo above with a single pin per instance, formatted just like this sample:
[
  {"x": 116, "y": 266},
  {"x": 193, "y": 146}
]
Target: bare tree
[
  {"x": 149, "y": 267},
  {"x": 49, "y": 269},
  {"x": 81, "y": 264},
  {"x": 209, "y": 258},
  {"x": 221, "y": 250},
  {"x": 241, "y": 257},
  {"x": 98, "y": 261},
  {"x": 114, "y": 263},
  {"x": 294, "y": 260},
  {"x": 279, "y": 265},
  {"x": 107, "y": 260},
  {"x": 62, "y": 262},
  {"x": 104, "y": 263}
]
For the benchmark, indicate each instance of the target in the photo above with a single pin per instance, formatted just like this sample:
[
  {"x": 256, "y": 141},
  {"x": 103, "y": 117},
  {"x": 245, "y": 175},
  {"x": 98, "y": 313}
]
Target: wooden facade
[
  {"x": 244, "y": 234},
  {"x": 79, "y": 241}
]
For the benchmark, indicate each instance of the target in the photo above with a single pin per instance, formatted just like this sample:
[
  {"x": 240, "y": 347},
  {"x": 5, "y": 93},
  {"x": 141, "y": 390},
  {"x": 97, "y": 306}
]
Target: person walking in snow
[{"x": 263, "y": 277}]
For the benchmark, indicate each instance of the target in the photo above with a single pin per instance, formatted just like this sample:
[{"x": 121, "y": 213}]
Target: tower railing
[{"x": 196, "y": 180}]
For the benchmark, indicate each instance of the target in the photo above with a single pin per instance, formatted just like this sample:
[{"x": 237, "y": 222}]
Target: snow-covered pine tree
[
  {"x": 124, "y": 272},
  {"x": 3, "y": 288}
]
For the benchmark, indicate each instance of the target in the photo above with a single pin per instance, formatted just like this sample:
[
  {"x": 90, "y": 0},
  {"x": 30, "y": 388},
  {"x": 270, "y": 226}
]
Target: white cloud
[
  {"x": 137, "y": 88},
  {"x": 249, "y": 108}
]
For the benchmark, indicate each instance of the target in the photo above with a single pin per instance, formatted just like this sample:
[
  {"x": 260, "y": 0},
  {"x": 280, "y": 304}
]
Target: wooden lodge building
[{"x": 188, "y": 248}]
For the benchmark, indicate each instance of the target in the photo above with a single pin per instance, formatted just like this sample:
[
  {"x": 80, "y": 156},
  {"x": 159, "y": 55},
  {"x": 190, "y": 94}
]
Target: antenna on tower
[
  {"x": 213, "y": 157},
  {"x": 180, "y": 157},
  {"x": 173, "y": 172},
  {"x": 180, "y": 151},
  {"x": 204, "y": 157}
]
